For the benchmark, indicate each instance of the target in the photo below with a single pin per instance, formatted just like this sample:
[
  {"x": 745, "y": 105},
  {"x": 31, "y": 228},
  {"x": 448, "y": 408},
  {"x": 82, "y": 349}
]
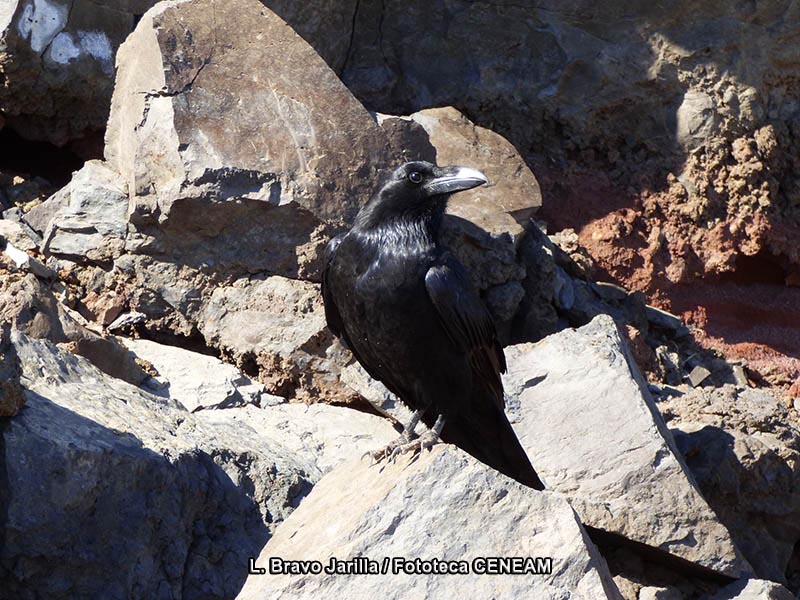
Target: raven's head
[{"x": 417, "y": 188}]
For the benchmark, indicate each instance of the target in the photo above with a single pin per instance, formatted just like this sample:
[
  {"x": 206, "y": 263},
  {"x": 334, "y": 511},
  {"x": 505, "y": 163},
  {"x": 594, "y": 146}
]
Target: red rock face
[{"x": 716, "y": 244}]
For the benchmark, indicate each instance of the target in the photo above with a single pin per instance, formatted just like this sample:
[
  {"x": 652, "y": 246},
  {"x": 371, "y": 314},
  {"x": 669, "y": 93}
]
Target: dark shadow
[
  {"x": 89, "y": 512},
  {"x": 53, "y": 163}
]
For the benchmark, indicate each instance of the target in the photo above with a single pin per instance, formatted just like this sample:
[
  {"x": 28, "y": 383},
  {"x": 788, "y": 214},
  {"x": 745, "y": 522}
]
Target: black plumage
[{"x": 406, "y": 308}]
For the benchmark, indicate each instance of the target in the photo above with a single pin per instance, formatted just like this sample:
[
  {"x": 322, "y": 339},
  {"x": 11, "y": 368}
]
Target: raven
[{"x": 406, "y": 308}]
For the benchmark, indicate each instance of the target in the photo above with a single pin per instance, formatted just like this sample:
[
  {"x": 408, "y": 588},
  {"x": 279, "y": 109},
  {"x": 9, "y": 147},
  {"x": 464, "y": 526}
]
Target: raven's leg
[
  {"x": 405, "y": 438},
  {"x": 424, "y": 442}
]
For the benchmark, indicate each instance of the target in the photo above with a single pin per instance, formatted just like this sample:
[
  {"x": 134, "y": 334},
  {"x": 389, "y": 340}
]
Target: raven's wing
[
  {"x": 467, "y": 322},
  {"x": 332, "y": 315}
]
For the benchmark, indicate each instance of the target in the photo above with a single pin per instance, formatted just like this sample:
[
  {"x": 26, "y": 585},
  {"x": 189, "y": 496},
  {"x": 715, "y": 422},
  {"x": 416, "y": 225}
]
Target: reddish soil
[{"x": 721, "y": 264}]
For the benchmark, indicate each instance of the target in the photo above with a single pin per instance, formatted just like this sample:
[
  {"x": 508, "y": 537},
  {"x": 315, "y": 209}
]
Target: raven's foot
[
  {"x": 424, "y": 442},
  {"x": 405, "y": 438}
]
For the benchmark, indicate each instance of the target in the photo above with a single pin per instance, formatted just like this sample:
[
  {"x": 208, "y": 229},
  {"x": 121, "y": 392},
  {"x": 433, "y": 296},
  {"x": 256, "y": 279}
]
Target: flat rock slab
[
  {"x": 98, "y": 473},
  {"x": 444, "y": 505},
  {"x": 197, "y": 380},
  {"x": 583, "y": 413},
  {"x": 317, "y": 434}
]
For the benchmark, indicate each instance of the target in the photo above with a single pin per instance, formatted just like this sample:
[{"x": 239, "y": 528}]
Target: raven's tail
[{"x": 488, "y": 436}]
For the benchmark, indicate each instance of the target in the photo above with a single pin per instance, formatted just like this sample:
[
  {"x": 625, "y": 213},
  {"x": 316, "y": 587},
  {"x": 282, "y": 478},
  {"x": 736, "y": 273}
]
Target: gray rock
[
  {"x": 57, "y": 61},
  {"x": 583, "y": 413},
  {"x": 698, "y": 375},
  {"x": 92, "y": 225},
  {"x": 99, "y": 474},
  {"x": 659, "y": 593},
  {"x": 275, "y": 326},
  {"x": 196, "y": 380},
  {"x": 12, "y": 398},
  {"x": 317, "y": 434},
  {"x": 742, "y": 447},
  {"x": 752, "y": 589},
  {"x": 444, "y": 505},
  {"x": 25, "y": 262}
]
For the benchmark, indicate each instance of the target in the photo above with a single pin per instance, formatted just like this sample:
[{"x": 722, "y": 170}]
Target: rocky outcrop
[
  {"x": 444, "y": 506},
  {"x": 98, "y": 473},
  {"x": 599, "y": 439}
]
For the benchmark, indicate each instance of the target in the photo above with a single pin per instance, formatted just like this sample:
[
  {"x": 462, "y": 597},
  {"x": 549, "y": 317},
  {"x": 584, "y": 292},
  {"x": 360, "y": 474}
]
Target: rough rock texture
[
  {"x": 582, "y": 411},
  {"x": 406, "y": 510},
  {"x": 317, "y": 434},
  {"x": 219, "y": 240},
  {"x": 196, "y": 380},
  {"x": 92, "y": 221},
  {"x": 743, "y": 448},
  {"x": 91, "y": 457},
  {"x": 12, "y": 398},
  {"x": 753, "y": 589},
  {"x": 57, "y": 63}
]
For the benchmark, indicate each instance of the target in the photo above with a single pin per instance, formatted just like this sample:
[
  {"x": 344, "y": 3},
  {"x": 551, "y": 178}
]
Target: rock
[
  {"x": 275, "y": 327},
  {"x": 662, "y": 318},
  {"x": 12, "y": 398},
  {"x": 25, "y": 262},
  {"x": 659, "y": 593},
  {"x": 582, "y": 411},
  {"x": 57, "y": 61},
  {"x": 742, "y": 448},
  {"x": 299, "y": 142},
  {"x": 195, "y": 380},
  {"x": 406, "y": 510},
  {"x": 31, "y": 306},
  {"x": 317, "y": 434},
  {"x": 16, "y": 234},
  {"x": 98, "y": 473},
  {"x": 752, "y": 589},
  {"x": 698, "y": 375},
  {"x": 92, "y": 225}
]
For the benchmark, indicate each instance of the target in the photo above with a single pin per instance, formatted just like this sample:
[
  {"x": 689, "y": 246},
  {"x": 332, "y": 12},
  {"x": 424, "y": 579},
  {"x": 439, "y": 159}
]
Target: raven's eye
[{"x": 415, "y": 177}]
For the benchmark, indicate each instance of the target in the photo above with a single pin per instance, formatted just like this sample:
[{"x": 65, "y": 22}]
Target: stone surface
[
  {"x": 196, "y": 380},
  {"x": 446, "y": 506},
  {"x": 317, "y": 434},
  {"x": 743, "y": 447},
  {"x": 753, "y": 589},
  {"x": 57, "y": 63},
  {"x": 92, "y": 223},
  {"x": 12, "y": 397},
  {"x": 582, "y": 411},
  {"x": 98, "y": 473}
]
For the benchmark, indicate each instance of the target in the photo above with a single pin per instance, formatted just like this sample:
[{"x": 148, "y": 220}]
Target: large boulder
[
  {"x": 582, "y": 411},
  {"x": 98, "y": 473},
  {"x": 442, "y": 506},
  {"x": 57, "y": 63}
]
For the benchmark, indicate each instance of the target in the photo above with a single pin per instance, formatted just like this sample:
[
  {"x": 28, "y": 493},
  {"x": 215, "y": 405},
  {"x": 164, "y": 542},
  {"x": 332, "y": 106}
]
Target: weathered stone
[
  {"x": 698, "y": 375},
  {"x": 275, "y": 327},
  {"x": 31, "y": 307},
  {"x": 743, "y": 448},
  {"x": 582, "y": 411},
  {"x": 98, "y": 473},
  {"x": 434, "y": 507},
  {"x": 25, "y": 262},
  {"x": 12, "y": 398},
  {"x": 92, "y": 225},
  {"x": 57, "y": 62},
  {"x": 13, "y": 232},
  {"x": 299, "y": 138},
  {"x": 752, "y": 589},
  {"x": 317, "y": 434},
  {"x": 195, "y": 380}
]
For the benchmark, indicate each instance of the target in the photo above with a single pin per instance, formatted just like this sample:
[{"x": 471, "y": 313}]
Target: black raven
[{"x": 406, "y": 308}]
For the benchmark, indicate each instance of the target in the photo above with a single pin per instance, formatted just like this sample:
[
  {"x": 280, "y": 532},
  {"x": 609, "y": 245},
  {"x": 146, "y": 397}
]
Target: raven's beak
[{"x": 454, "y": 179}]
